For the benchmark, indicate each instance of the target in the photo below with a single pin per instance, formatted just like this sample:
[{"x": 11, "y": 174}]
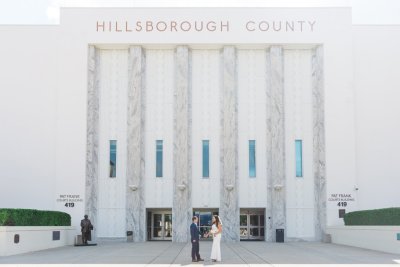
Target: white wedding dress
[{"x": 216, "y": 245}]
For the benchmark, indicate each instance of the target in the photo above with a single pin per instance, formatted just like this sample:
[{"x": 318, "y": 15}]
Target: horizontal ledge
[
  {"x": 208, "y": 46},
  {"x": 300, "y": 208},
  {"x": 35, "y": 228},
  {"x": 365, "y": 227}
]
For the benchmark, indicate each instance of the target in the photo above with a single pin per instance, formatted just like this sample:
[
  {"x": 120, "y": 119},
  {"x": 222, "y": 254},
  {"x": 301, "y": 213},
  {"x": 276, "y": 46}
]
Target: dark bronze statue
[{"x": 86, "y": 227}]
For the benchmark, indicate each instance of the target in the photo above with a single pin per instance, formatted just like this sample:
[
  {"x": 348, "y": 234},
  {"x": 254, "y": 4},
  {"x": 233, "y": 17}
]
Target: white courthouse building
[{"x": 273, "y": 118}]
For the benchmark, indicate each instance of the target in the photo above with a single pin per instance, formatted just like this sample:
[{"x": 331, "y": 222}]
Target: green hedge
[
  {"x": 28, "y": 217},
  {"x": 388, "y": 216}
]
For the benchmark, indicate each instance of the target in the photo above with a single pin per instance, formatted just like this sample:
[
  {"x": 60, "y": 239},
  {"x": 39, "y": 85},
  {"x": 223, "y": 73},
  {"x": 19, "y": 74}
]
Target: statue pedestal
[
  {"x": 85, "y": 245},
  {"x": 79, "y": 243}
]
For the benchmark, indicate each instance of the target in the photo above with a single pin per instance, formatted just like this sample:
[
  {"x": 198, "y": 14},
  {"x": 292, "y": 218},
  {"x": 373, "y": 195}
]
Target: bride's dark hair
[{"x": 217, "y": 222}]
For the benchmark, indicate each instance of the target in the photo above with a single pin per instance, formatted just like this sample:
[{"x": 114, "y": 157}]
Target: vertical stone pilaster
[
  {"x": 92, "y": 137},
  {"x": 269, "y": 229},
  {"x": 182, "y": 207},
  {"x": 319, "y": 143},
  {"x": 229, "y": 206},
  {"x": 276, "y": 210},
  {"x": 135, "y": 202}
]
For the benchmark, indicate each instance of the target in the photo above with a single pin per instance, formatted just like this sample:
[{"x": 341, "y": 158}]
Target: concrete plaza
[{"x": 176, "y": 254}]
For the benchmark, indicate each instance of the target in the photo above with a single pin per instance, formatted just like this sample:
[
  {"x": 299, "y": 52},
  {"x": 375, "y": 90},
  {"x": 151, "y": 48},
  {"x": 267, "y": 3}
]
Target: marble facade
[
  {"x": 319, "y": 143},
  {"x": 181, "y": 210},
  {"x": 135, "y": 202},
  {"x": 92, "y": 143},
  {"x": 229, "y": 209},
  {"x": 276, "y": 142}
]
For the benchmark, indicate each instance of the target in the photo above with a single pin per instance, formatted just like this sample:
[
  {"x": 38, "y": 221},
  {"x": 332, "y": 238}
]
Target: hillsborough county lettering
[{"x": 205, "y": 26}]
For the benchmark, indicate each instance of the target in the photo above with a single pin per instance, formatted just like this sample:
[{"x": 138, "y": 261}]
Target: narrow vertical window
[
  {"x": 206, "y": 159},
  {"x": 113, "y": 158},
  {"x": 159, "y": 158},
  {"x": 252, "y": 158},
  {"x": 299, "y": 158}
]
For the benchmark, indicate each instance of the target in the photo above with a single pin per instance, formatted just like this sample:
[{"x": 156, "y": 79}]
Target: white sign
[{"x": 69, "y": 200}]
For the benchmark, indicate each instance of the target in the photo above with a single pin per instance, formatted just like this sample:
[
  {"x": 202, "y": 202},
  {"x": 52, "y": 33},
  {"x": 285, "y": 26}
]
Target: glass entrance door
[
  {"x": 168, "y": 226},
  {"x": 252, "y": 225},
  {"x": 205, "y": 221},
  {"x": 161, "y": 225}
]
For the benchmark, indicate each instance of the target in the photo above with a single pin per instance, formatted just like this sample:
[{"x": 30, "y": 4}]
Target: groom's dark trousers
[{"x": 194, "y": 238}]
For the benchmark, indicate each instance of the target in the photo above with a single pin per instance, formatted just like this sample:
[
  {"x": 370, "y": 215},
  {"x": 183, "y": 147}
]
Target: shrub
[
  {"x": 388, "y": 216},
  {"x": 30, "y": 217}
]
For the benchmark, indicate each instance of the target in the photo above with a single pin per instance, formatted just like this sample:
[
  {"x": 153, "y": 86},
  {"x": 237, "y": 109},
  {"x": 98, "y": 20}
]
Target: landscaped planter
[
  {"x": 21, "y": 239},
  {"x": 381, "y": 238}
]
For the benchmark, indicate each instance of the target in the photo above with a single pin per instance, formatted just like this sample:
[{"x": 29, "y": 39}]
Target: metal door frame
[
  {"x": 248, "y": 213},
  {"x": 214, "y": 211},
  {"x": 162, "y": 213}
]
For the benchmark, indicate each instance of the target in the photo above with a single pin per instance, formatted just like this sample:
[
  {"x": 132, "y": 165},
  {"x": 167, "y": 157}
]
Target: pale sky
[{"x": 47, "y": 11}]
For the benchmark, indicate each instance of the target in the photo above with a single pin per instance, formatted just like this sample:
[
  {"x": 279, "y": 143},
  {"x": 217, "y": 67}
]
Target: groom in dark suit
[{"x": 194, "y": 238}]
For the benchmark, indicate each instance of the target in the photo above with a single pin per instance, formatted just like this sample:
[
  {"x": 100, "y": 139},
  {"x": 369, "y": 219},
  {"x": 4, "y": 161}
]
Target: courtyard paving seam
[
  {"x": 159, "y": 255},
  {"x": 235, "y": 252},
  {"x": 261, "y": 258},
  {"x": 179, "y": 253}
]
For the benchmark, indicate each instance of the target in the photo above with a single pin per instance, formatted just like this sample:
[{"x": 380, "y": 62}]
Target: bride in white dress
[{"x": 216, "y": 231}]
